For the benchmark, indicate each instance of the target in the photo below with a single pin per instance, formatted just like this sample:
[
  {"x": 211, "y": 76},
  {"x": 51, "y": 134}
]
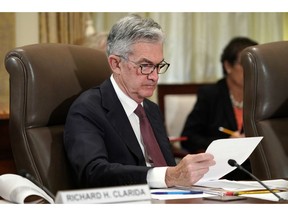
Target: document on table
[
  {"x": 238, "y": 149},
  {"x": 228, "y": 185},
  {"x": 268, "y": 196}
]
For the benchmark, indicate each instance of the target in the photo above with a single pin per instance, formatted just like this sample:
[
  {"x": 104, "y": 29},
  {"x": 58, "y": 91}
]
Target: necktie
[{"x": 149, "y": 139}]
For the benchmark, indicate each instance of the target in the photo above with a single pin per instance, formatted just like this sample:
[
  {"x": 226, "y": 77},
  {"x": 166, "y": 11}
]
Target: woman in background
[{"x": 220, "y": 105}]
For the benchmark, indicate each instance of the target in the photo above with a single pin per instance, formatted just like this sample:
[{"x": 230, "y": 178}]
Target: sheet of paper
[
  {"x": 274, "y": 183},
  {"x": 245, "y": 185},
  {"x": 268, "y": 196},
  {"x": 238, "y": 149},
  {"x": 17, "y": 189}
]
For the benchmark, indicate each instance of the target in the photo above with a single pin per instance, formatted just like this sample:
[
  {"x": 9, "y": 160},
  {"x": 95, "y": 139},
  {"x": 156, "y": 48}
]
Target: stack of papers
[
  {"x": 226, "y": 188},
  {"x": 228, "y": 185},
  {"x": 245, "y": 188},
  {"x": 238, "y": 149}
]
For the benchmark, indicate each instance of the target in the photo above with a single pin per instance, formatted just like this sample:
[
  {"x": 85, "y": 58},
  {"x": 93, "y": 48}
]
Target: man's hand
[{"x": 189, "y": 170}]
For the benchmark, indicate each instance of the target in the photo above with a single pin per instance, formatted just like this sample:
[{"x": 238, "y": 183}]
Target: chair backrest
[
  {"x": 175, "y": 102},
  {"x": 266, "y": 107},
  {"x": 44, "y": 81}
]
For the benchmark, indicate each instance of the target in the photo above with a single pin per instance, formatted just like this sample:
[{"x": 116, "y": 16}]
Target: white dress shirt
[{"x": 155, "y": 176}]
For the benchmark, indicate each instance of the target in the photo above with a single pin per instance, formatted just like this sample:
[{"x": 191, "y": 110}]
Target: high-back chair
[
  {"x": 44, "y": 81},
  {"x": 266, "y": 107}
]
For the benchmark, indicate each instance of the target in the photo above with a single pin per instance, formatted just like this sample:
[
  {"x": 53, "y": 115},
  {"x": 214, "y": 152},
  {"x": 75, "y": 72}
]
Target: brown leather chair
[
  {"x": 44, "y": 81},
  {"x": 266, "y": 107}
]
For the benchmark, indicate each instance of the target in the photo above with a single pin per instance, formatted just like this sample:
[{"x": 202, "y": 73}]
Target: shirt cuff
[{"x": 156, "y": 177}]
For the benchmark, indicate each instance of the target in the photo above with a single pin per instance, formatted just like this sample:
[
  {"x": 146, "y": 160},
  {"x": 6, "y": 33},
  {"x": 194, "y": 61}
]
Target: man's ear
[{"x": 114, "y": 61}]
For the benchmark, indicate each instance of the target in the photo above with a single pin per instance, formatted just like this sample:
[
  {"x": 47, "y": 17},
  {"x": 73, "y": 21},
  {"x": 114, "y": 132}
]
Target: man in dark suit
[{"x": 102, "y": 133}]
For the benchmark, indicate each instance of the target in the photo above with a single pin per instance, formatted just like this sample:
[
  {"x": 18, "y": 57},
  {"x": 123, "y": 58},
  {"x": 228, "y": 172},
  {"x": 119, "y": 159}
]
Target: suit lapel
[{"x": 119, "y": 120}]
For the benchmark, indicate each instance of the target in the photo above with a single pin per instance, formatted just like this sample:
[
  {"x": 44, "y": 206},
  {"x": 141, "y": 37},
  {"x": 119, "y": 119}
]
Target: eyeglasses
[{"x": 147, "y": 68}]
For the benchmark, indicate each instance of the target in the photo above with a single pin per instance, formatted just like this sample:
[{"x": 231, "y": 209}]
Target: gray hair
[{"x": 130, "y": 30}]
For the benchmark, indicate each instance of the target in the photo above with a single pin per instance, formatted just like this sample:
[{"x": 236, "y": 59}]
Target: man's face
[{"x": 129, "y": 76}]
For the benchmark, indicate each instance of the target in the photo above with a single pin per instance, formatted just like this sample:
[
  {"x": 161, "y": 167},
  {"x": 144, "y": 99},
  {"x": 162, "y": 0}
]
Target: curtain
[
  {"x": 195, "y": 40},
  {"x": 62, "y": 27},
  {"x": 7, "y": 42}
]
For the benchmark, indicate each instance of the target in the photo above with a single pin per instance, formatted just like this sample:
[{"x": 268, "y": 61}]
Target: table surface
[
  {"x": 203, "y": 201},
  {"x": 207, "y": 201}
]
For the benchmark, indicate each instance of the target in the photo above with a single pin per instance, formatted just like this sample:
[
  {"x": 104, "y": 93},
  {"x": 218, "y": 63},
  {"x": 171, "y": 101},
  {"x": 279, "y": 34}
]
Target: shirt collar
[{"x": 128, "y": 104}]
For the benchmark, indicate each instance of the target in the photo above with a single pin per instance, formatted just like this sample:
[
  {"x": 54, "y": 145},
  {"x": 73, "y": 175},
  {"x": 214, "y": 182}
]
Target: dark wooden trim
[
  {"x": 7, "y": 164},
  {"x": 166, "y": 89}
]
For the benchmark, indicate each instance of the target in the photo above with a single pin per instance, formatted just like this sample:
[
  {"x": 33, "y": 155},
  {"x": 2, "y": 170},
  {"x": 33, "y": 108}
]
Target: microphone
[
  {"x": 233, "y": 163},
  {"x": 27, "y": 175}
]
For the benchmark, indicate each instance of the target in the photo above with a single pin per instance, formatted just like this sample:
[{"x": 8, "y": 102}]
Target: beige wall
[
  {"x": 26, "y": 27},
  {"x": 16, "y": 29}
]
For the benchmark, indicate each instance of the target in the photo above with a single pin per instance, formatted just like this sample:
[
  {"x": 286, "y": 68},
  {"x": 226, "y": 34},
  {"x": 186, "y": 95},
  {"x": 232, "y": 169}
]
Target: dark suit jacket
[
  {"x": 212, "y": 110},
  {"x": 100, "y": 142}
]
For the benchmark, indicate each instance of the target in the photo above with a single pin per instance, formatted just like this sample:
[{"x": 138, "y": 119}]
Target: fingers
[
  {"x": 198, "y": 165},
  {"x": 201, "y": 157},
  {"x": 189, "y": 170}
]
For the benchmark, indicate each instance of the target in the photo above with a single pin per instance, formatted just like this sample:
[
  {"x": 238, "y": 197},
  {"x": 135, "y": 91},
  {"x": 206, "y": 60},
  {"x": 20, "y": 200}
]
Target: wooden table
[{"x": 206, "y": 201}]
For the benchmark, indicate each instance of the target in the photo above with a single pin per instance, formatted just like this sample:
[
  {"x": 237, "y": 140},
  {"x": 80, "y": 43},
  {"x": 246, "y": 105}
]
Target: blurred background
[{"x": 193, "y": 45}]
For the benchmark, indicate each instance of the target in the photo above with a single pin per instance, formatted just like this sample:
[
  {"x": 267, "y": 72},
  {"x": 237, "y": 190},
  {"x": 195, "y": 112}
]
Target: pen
[
  {"x": 225, "y": 130},
  {"x": 177, "y": 192},
  {"x": 237, "y": 193}
]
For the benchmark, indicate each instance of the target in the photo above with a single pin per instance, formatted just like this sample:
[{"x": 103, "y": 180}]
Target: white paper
[
  {"x": 238, "y": 149},
  {"x": 268, "y": 196},
  {"x": 228, "y": 185},
  {"x": 16, "y": 189}
]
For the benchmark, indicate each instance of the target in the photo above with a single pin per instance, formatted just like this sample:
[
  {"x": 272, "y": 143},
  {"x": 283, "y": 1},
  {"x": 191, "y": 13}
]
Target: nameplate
[{"x": 131, "y": 193}]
